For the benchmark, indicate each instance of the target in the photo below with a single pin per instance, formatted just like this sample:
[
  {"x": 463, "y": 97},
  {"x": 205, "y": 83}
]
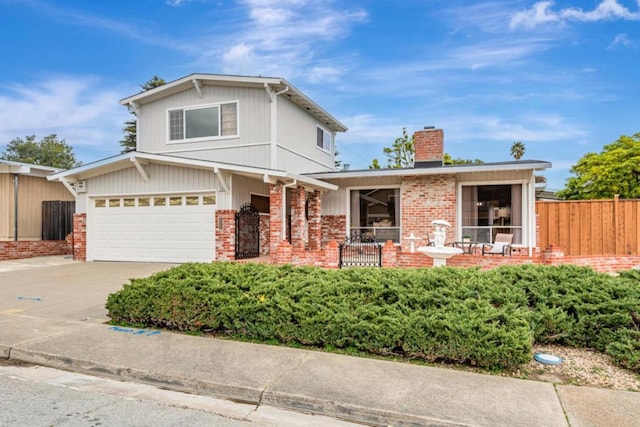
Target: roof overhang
[
  {"x": 19, "y": 168},
  {"x": 533, "y": 165},
  {"x": 196, "y": 81},
  {"x": 137, "y": 159}
]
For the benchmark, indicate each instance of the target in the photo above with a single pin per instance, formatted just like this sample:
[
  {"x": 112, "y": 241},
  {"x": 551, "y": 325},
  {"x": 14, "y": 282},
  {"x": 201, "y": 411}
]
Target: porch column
[
  {"x": 80, "y": 236},
  {"x": 315, "y": 223},
  {"x": 276, "y": 210},
  {"x": 298, "y": 197}
]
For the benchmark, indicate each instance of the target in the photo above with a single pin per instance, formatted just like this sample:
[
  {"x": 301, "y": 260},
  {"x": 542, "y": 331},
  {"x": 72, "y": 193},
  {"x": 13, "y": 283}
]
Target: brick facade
[
  {"x": 425, "y": 199},
  {"x": 225, "y": 234},
  {"x": 33, "y": 248},
  {"x": 298, "y": 221},
  {"x": 80, "y": 236},
  {"x": 315, "y": 221},
  {"x": 264, "y": 234},
  {"x": 333, "y": 228},
  {"x": 276, "y": 210}
]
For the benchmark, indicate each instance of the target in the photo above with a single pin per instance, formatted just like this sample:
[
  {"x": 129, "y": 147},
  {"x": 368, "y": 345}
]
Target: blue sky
[{"x": 560, "y": 76}]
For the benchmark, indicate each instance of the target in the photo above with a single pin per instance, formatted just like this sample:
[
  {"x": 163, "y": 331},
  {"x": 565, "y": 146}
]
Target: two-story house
[{"x": 228, "y": 167}]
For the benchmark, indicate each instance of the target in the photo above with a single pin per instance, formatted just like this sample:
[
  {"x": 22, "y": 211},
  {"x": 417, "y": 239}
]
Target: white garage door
[{"x": 175, "y": 228}]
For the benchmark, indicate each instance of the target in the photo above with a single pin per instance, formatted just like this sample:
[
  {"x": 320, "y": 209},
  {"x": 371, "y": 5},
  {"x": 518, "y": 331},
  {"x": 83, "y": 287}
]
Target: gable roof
[
  {"x": 135, "y": 158},
  {"x": 277, "y": 84}
]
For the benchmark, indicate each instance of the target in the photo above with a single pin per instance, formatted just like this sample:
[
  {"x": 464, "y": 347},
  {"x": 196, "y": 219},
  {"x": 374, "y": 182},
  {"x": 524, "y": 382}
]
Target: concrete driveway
[{"x": 60, "y": 288}]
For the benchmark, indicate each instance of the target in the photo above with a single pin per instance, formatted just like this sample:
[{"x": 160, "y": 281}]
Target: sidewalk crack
[{"x": 297, "y": 365}]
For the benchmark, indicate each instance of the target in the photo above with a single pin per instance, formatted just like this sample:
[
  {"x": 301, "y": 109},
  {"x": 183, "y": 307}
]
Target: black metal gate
[
  {"x": 360, "y": 251},
  {"x": 57, "y": 219},
  {"x": 247, "y": 232}
]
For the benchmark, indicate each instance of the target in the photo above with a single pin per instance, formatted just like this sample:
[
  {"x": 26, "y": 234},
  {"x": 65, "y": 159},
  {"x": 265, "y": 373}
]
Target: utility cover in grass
[{"x": 547, "y": 359}]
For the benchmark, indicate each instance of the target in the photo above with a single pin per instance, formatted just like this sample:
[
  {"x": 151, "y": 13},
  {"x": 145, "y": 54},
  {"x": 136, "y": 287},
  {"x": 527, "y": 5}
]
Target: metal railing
[{"x": 360, "y": 251}]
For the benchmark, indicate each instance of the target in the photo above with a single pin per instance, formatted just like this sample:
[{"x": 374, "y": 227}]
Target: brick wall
[
  {"x": 425, "y": 199},
  {"x": 315, "y": 221},
  {"x": 333, "y": 228},
  {"x": 33, "y": 248},
  {"x": 225, "y": 234},
  {"x": 264, "y": 234},
  {"x": 298, "y": 222},
  {"x": 275, "y": 217},
  {"x": 80, "y": 236}
]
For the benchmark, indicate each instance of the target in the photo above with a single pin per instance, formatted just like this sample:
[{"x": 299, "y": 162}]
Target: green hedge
[{"x": 488, "y": 319}]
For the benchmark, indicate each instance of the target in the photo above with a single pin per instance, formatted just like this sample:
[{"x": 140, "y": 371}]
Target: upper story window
[
  {"x": 323, "y": 140},
  {"x": 217, "y": 120}
]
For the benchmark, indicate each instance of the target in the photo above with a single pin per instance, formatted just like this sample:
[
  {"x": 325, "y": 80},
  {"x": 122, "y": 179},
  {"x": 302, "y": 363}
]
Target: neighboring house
[
  {"x": 25, "y": 193},
  {"x": 209, "y": 145}
]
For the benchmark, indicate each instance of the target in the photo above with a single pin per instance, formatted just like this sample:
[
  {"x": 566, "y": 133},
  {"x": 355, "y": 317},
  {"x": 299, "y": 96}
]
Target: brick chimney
[{"x": 429, "y": 147}]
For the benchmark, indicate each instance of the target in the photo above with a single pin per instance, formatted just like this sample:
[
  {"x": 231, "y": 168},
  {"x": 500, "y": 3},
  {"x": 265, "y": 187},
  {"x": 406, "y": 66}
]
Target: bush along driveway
[{"x": 482, "y": 318}]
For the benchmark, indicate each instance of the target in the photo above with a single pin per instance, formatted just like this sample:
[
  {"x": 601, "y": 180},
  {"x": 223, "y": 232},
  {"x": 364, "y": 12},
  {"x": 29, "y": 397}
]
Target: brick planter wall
[{"x": 33, "y": 248}]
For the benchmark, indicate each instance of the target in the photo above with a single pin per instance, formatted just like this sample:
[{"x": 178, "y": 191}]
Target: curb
[{"x": 247, "y": 395}]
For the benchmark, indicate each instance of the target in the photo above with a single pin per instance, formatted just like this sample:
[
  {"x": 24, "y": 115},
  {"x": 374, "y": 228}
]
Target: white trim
[
  {"x": 141, "y": 170},
  {"x": 371, "y": 187},
  {"x": 227, "y": 147},
  {"x": 154, "y": 193},
  {"x": 442, "y": 170},
  {"x": 307, "y": 157},
  {"x": 185, "y": 83},
  {"x": 218, "y": 137},
  {"x": 324, "y": 131},
  {"x": 526, "y": 214}
]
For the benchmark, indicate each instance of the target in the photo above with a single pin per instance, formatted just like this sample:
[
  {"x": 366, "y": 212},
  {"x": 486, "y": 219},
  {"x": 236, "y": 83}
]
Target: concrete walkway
[{"x": 357, "y": 389}]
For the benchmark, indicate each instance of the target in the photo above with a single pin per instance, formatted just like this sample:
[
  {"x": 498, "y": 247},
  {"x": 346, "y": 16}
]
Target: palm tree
[{"x": 517, "y": 150}]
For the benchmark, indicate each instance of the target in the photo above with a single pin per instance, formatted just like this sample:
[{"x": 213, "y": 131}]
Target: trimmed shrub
[{"x": 455, "y": 315}]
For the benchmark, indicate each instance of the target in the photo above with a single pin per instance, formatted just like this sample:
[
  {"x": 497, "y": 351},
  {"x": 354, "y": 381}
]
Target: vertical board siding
[
  {"x": 253, "y": 117},
  {"x": 162, "y": 178},
  {"x": 591, "y": 227},
  {"x": 243, "y": 187},
  {"x": 297, "y": 130},
  {"x": 6, "y": 206},
  {"x": 32, "y": 191}
]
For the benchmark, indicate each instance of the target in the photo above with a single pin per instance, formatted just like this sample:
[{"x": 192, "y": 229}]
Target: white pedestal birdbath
[{"x": 439, "y": 252}]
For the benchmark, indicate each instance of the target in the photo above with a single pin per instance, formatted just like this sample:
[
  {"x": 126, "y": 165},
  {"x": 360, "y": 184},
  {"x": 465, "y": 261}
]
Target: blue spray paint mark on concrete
[
  {"x": 145, "y": 332},
  {"x": 30, "y": 298}
]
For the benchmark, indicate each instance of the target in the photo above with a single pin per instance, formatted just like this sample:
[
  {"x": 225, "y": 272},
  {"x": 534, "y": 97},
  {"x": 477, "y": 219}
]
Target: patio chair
[{"x": 501, "y": 245}]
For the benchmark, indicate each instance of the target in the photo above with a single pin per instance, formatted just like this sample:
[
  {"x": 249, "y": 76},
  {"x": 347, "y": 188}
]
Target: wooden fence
[{"x": 590, "y": 227}]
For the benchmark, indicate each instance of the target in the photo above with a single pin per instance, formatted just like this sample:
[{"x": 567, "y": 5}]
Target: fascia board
[{"x": 445, "y": 170}]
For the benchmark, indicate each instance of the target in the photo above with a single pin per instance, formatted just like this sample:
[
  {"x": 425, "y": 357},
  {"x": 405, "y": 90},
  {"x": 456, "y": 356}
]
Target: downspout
[{"x": 15, "y": 207}]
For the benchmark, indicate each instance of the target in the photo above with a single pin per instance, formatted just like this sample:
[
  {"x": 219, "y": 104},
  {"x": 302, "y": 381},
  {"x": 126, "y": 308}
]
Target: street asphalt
[{"x": 52, "y": 314}]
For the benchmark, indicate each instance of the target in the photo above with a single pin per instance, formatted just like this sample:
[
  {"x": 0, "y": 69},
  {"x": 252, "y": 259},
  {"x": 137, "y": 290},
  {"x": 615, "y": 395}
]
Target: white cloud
[
  {"x": 283, "y": 38},
  {"x": 622, "y": 40},
  {"x": 541, "y": 13},
  {"x": 79, "y": 110}
]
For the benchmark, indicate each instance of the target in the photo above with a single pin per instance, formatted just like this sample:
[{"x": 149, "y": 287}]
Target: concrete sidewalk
[
  {"x": 356, "y": 389},
  {"x": 63, "y": 328}
]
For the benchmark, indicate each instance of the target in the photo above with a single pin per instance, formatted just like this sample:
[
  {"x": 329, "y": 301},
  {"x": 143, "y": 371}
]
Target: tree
[
  {"x": 448, "y": 160},
  {"x": 400, "y": 154},
  {"x": 130, "y": 128},
  {"x": 517, "y": 150},
  {"x": 616, "y": 170},
  {"x": 47, "y": 152}
]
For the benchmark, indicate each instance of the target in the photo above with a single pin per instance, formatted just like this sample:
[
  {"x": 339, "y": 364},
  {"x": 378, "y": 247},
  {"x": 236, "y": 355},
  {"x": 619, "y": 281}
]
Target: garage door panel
[{"x": 152, "y": 233}]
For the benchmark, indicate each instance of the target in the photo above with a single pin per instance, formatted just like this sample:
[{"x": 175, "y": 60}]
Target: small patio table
[{"x": 467, "y": 247}]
